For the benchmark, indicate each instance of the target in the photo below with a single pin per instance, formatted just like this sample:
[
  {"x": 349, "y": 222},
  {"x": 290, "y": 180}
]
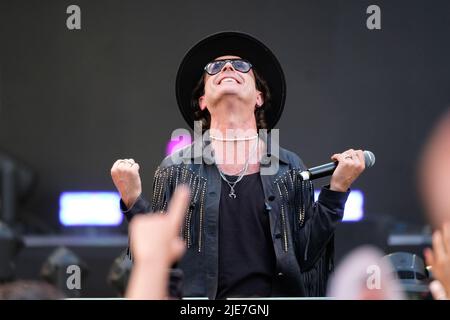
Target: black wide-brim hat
[{"x": 230, "y": 43}]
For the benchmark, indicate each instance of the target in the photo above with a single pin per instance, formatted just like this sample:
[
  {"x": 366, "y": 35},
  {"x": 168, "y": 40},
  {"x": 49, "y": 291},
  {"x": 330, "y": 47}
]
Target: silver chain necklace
[{"x": 232, "y": 184}]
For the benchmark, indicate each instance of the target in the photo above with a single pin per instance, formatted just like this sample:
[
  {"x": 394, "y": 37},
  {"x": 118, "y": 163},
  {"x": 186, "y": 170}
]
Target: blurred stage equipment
[
  {"x": 413, "y": 241},
  {"x": 29, "y": 290},
  {"x": 120, "y": 273},
  {"x": 64, "y": 269},
  {"x": 10, "y": 245},
  {"x": 17, "y": 181},
  {"x": 411, "y": 271}
]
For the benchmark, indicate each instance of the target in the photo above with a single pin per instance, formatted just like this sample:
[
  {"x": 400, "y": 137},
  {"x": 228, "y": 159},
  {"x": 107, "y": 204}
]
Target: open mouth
[{"x": 228, "y": 80}]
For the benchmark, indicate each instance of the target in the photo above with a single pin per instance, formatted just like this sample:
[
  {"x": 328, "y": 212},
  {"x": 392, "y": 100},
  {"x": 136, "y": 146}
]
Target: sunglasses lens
[
  {"x": 214, "y": 67},
  {"x": 241, "y": 65}
]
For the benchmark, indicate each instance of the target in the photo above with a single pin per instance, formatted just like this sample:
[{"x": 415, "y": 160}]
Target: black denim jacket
[{"x": 302, "y": 230}]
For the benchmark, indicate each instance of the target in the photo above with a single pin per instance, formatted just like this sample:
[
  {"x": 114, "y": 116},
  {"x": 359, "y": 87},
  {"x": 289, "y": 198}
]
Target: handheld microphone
[{"x": 328, "y": 168}]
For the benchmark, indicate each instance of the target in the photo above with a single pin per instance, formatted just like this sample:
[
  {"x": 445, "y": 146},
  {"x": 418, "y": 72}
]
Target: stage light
[
  {"x": 10, "y": 245},
  {"x": 354, "y": 207},
  {"x": 66, "y": 271},
  {"x": 90, "y": 208}
]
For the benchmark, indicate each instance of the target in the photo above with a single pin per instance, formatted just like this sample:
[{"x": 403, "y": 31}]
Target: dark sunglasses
[{"x": 240, "y": 65}]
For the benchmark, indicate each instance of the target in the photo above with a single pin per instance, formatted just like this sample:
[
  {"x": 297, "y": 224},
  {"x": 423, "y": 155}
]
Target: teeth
[{"x": 228, "y": 80}]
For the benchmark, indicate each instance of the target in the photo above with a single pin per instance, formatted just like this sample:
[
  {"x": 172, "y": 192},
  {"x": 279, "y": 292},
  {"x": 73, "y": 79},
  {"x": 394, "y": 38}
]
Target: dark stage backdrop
[{"x": 72, "y": 102}]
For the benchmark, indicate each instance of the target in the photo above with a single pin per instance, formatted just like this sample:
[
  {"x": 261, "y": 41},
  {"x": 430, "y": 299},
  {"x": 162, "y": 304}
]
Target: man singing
[{"x": 249, "y": 232}]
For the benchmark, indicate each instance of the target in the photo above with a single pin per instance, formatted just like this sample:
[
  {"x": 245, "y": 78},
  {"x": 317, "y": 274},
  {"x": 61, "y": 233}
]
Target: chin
[
  {"x": 229, "y": 89},
  {"x": 229, "y": 93}
]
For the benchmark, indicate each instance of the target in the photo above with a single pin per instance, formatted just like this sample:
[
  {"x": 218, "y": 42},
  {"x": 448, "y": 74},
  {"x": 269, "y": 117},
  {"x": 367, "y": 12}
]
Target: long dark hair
[{"x": 205, "y": 117}]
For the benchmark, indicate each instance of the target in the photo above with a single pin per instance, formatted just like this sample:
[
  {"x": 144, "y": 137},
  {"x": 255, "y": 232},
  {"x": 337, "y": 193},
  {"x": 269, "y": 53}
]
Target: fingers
[
  {"x": 126, "y": 163},
  {"x": 429, "y": 257},
  {"x": 350, "y": 156},
  {"x": 446, "y": 237},
  {"x": 116, "y": 165},
  {"x": 361, "y": 159},
  {"x": 437, "y": 290},
  {"x": 438, "y": 245},
  {"x": 345, "y": 156},
  {"x": 132, "y": 163},
  {"x": 358, "y": 159},
  {"x": 178, "y": 206},
  {"x": 178, "y": 248},
  {"x": 341, "y": 156},
  {"x": 337, "y": 157},
  {"x": 123, "y": 164},
  {"x": 350, "y": 165}
]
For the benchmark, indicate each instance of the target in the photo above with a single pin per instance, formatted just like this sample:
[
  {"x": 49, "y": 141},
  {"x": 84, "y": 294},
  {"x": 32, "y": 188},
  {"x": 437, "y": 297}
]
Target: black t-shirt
[{"x": 246, "y": 254}]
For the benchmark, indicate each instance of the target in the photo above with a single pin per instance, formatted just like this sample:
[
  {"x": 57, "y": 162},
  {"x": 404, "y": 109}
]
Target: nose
[{"x": 228, "y": 67}]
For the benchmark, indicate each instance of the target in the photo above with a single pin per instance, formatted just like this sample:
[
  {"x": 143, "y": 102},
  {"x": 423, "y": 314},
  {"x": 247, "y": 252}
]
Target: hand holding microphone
[
  {"x": 350, "y": 165},
  {"x": 347, "y": 166}
]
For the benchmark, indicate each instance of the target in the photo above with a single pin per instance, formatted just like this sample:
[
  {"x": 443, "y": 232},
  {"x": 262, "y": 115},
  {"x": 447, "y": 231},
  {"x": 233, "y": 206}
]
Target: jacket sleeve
[
  {"x": 140, "y": 206},
  {"x": 313, "y": 223},
  {"x": 314, "y": 240},
  {"x": 158, "y": 200},
  {"x": 321, "y": 219}
]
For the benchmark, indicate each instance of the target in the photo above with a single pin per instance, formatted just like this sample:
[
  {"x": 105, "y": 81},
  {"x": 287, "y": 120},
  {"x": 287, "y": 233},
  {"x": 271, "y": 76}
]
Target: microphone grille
[{"x": 369, "y": 158}]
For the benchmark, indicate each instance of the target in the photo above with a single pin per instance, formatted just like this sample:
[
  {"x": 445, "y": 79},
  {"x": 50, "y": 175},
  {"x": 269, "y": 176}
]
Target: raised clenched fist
[{"x": 125, "y": 175}]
